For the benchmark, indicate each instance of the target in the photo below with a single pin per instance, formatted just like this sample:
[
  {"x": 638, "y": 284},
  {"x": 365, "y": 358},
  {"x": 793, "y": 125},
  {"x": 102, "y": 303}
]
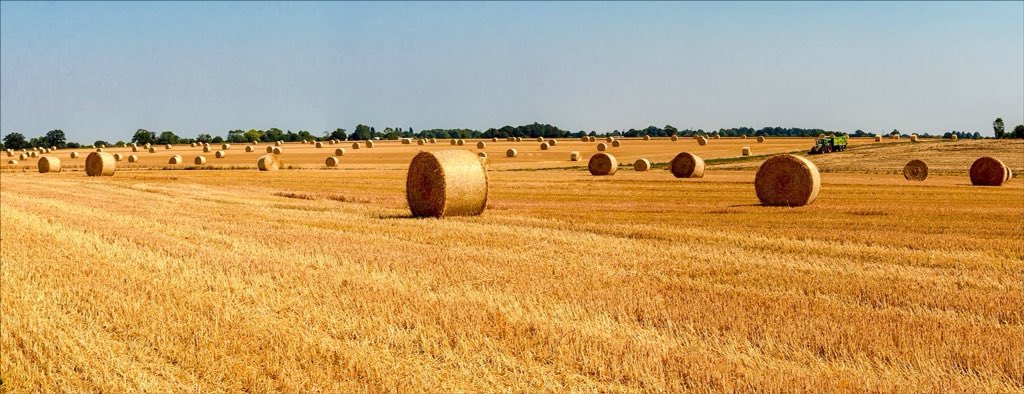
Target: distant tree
[
  {"x": 339, "y": 134},
  {"x": 976, "y": 135},
  {"x": 274, "y": 134},
  {"x": 391, "y": 134},
  {"x": 305, "y": 135},
  {"x": 100, "y": 143},
  {"x": 1018, "y": 132},
  {"x": 362, "y": 132},
  {"x": 55, "y": 138},
  {"x": 237, "y": 136},
  {"x": 168, "y": 137},
  {"x": 253, "y": 135},
  {"x": 998, "y": 128},
  {"x": 204, "y": 138},
  {"x": 217, "y": 140},
  {"x": 143, "y": 136},
  {"x": 15, "y": 141}
]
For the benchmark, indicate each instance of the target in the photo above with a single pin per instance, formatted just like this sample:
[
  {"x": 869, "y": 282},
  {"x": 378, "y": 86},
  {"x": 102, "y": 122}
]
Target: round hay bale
[
  {"x": 674, "y": 138},
  {"x": 176, "y": 159},
  {"x": 278, "y": 143},
  {"x": 609, "y": 139},
  {"x": 135, "y": 149},
  {"x": 46, "y": 150},
  {"x": 12, "y": 162},
  {"x": 369, "y": 144},
  {"x": 319, "y": 144},
  {"x": 461, "y": 142},
  {"x": 953, "y": 137},
  {"x": 745, "y": 151},
  {"x": 602, "y": 164},
  {"x": 133, "y": 158},
  {"x": 100, "y": 164},
  {"x": 303, "y": 141},
  {"x": 602, "y": 147},
  {"x": 482, "y": 155},
  {"x": 544, "y": 146},
  {"x": 199, "y": 160},
  {"x": 168, "y": 146},
  {"x": 74, "y": 155},
  {"x": 591, "y": 139},
  {"x": 760, "y": 139},
  {"x": 97, "y": 149},
  {"x": 225, "y": 147},
  {"x": 206, "y": 149},
  {"x": 446, "y": 183},
  {"x": 687, "y": 165},
  {"x": 420, "y": 142},
  {"x": 552, "y": 142},
  {"x": 913, "y": 138},
  {"x": 574, "y": 156},
  {"x": 339, "y": 152},
  {"x": 36, "y": 154},
  {"x": 152, "y": 150},
  {"x": 433, "y": 140},
  {"x": 702, "y": 141},
  {"x": 616, "y": 144},
  {"x": 355, "y": 145},
  {"x": 250, "y": 148},
  {"x": 10, "y": 153},
  {"x": 743, "y": 137},
  {"x": 647, "y": 138},
  {"x": 332, "y": 161},
  {"x": 118, "y": 157},
  {"x": 519, "y": 139},
  {"x": 270, "y": 149},
  {"x": 787, "y": 180},
  {"x": 193, "y": 144},
  {"x": 540, "y": 139},
  {"x": 23, "y": 156},
  {"x": 641, "y": 165},
  {"x": 481, "y": 145},
  {"x": 584, "y": 139},
  {"x": 494, "y": 139},
  {"x": 103, "y": 146},
  {"x": 915, "y": 170},
  {"x": 220, "y": 154},
  {"x": 878, "y": 138},
  {"x": 511, "y": 153},
  {"x": 454, "y": 142},
  {"x": 148, "y": 146},
  {"x": 277, "y": 150},
  {"x": 406, "y": 141},
  {"x": 268, "y": 163},
  {"x": 48, "y": 164},
  {"x": 988, "y": 171}
]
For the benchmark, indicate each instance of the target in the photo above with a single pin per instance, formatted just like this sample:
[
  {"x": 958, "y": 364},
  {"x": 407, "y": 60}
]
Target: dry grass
[{"x": 568, "y": 282}]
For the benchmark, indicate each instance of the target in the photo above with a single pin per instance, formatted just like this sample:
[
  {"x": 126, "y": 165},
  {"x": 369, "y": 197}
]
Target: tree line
[{"x": 58, "y": 139}]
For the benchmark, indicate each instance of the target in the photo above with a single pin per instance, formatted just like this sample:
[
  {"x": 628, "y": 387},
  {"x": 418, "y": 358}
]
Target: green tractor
[{"x": 829, "y": 144}]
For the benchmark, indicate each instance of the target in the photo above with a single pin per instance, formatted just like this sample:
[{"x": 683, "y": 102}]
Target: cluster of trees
[
  {"x": 999, "y": 129},
  {"x": 51, "y": 138}
]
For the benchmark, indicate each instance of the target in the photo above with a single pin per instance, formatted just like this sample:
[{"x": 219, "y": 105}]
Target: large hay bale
[
  {"x": 716, "y": 136},
  {"x": 878, "y": 138},
  {"x": 745, "y": 151},
  {"x": 511, "y": 153},
  {"x": 369, "y": 144},
  {"x": 36, "y": 154},
  {"x": 268, "y": 163},
  {"x": 454, "y": 142},
  {"x": 100, "y": 164},
  {"x": 421, "y": 142},
  {"x": 304, "y": 141},
  {"x": 406, "y": 141},
  {"x": 592, "y": 139},
  {"x": 989, "y": 171},
  {"x": 199, "y": 160},
  {"x": 339, "y": 152},
  {"x": 915, "y": 170},
  {"x": 206, "y": 149},
  {"x": 23, "y": 156},
  {"x": 277, "y": 150},
  {"x": 702, "y": 141},
  {"x": 220, "y": 154},
  {"x": 48, "y": 164},
  {"x": 176, "y": 159},
  {"x": 584, "y": 139},
  {"x": 355, "y": 145},
  {"x": 152, "y": 150},
  {"x": 446, "y": 183},
  {"x": 250, "y": 148},
  {"x": 494, "y": 139},
  {"x": 332, "y": 161},
  {"x": 519, "y": 139},
  {"x": 460, "y": 142},
  {"x": 647, "y": 138},
  {"x": 10, "y": 153},
  {"x": 616, "y": 143},
  {"x": 544, "y": 146},
  {"x": 118, "y": 157},
  {"x": 641, "y": 165},
  {"x": 481, "y": 145},
  {"x": 540, "y": 139},
  {"x": 552, "y": 142},
  {"x": 225, "y": 147},
  {"x": 147, "y": 146},
  {"x": 602, "y": 147},
  {"x": 433, "y": 140},
  {"x": 760, "y": 139},
  {"x": 602, "y": 164},
  {"x": 74, "y": 155},
  {"x": 270, "y": 149},
  {"x": 913, "y": 138},
  {"x": 687, "y": 165},
  {"x": 319, "y": 144},
  {"x": 133, "y": 158},
  {"x": 168, "y": 146},
  {"x": 574, "y": 156},
  {"x": 674, "y": 138},
  {"x": 135, "y": 149},
  {"x": 787, "y": 180},
  {"x": 609, "y": 139}
]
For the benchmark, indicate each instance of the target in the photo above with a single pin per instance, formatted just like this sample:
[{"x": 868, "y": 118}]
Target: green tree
[
  {"x": 362, "y": 132},
  {"x": 1018, "y": 132},
  {"x": 100, "y": 143},
  {"x": 205, "y": 138},
  {"x": 143, "y": 136},
  {"x": 168, "y": 137},
  {"x": 15, "y": 141},
  {"x": 237, "y": 136},
  {"x": 253, "y": 135},
  {"x": 338, "y": 134},
  {"x": 55, "y": 138},
  {"x": 998, "y": 128},
  {"x": 305, "y": 135}
]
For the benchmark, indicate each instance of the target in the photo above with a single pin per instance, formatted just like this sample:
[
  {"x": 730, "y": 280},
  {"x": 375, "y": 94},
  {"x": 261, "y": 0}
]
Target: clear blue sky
[{"x": 103, "y": 70}]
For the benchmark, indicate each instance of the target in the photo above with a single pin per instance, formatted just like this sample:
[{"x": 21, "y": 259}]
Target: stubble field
[{"x": 310, "y": 279}]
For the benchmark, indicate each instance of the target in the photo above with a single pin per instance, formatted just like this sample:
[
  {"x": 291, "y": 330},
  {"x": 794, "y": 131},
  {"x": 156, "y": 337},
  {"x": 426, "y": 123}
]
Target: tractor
[{"x": 829, "y": 144}]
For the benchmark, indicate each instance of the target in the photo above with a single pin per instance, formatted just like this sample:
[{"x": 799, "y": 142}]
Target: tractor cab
[{"x": 829, "y": 144}]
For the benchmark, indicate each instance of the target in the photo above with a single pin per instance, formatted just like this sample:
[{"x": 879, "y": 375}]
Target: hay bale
[
  {"x": 913, "y": 138},
  {"x": 552, "y": 142},
  {"x": 540, "y": 139},
  {"x": 989, "y": 171},
  {"x": 12, "y": 162},
  {"x": 602, "y": 147},
  {"x": 446, "y": 183},
  {"x": 878, "y": 138},
  {"x": 702, "y": 141},
  {"x": 74, "y": 155},
  {"x": 48, "y": 164},
  {"x": 481, "y": 145},
  {"x": 574, "y": 156},
  {"x": 760, "y": 139},
  {"x": 193, "y": 144},
  {"x": 787, "y": 180},
  {"x": 674, "y": 138},
  {"x": 482, "y": 155},
  {"x": 303, "y": 141},
  {"x": 687, "y": 165},
  {"x": 176, "y": 159},
  {"x": 270, "y": 149},
  {"x": 148, "y": 146},
  {"x": 168, "y": 146},
  {"x": 647, "y": 138},
  {"x": 616, "y": 143},
  {"x": 332, "y": 161},
  {"x": 250, "y": 148},
  {"x": 225, "y": 147},
  {"x": 602, "y": 164},
  {"x": 420, "y": 142},
  {"x": 100, "y": 164},
  {"x": 268, "y": 163},
  {"x": 519, "y": 139},
  {"x": 511, "y": 153},
  {"x": 199, "y": 160},
  {"x": 118, "y": 157},
  {"x": 10, "y": 153},
  {"x": 544, "y": 146},
  {"x": 135, "y": 149},
  {"x": 278, "y": 143},
  {"x": 23, "y": 156},
  {"x": 745, "y": 151},
  {"x": 953, "y": 137},
  {"x": 454, "y": 142},
  {"x": 133, "y": 158},
  {"x": 433, "y": 140},
  {"x": 641, "y": 165},
  {"x": 319, "y": 144},
  {"x": 339, "y": 152},
  {"x": 743, "y": 136},
  {"x": 369, "y": 144},
  {"x": 97, "y": 149},
  {"x": 36, "y": 154},
  {"x": 591, "y": 139},
  {"x": 220, "y": 154},
  {"x": 494, "y": 139},
  {"x": 152, "y": 150},
  {"x": 206, "y": 149},
  {"x": 277, "y": 150},
  {"x": 915, "y": 170},
  {"x": 584, "y": 139},
  {"x": 355, "y": 145},
  {"x": 460, "y": 142},
  {"x": 406, "y": 141},
  {"x": 609, "y": 139}
]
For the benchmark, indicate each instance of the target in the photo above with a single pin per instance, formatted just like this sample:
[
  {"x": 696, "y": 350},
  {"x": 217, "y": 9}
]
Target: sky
[{"x": 103, "y": 70}]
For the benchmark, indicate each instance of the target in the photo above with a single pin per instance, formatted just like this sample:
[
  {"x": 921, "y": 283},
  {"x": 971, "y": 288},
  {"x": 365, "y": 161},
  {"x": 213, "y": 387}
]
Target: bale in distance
[
  {"x": 133, "y": 158},
  {"x": 304, "y": 141},
  {"x": 674, "y": 138},
  {"x": 878, "y": 138},
  {"x": 152, "y": 150},
  {"x": 433, "y": 140},
  {"x": 591, "y": 139},
  {"x": 743, "y": 136},
  {"x": 206, "y": 149},
  {"x": 446, "y": 183},
  {"x": 519, "y": 139},
  {"x": 355, "y": 145},
  {"x": 420, "y": 142},
  {"x": 332, "y": 161},
  {"x": 369, "y": 144},
  {"x": 716, "y": 136},
  {"x": 641, "y": 165},
  {"x": 574, "y": 156},
  {"x": 953, "y": 137},
  {"x": 276, "y": 151},
  {"x": 787, "y": 180},
  {"x": 100, "y": 164},
  {"x": 540, "y": 139},
  {"x": 250, "y": 148},
  {"x": 494, "y": 139},
  {"x": 482, "y": 155},
  {"x": 584, "y": 139},
  {"x": 602, "y": 164},
  {"x": 915, "y": 170},
  {"x": 616, "y": 144},
  {"x": 199, "y": 160},
  {"x": 319, "y": 144},
  {"x": 97, "y": 149},
  {"x": 193, "y": 144},
  {"x": 609, "y": 139},
  {"x": 511, "y": 153},
  {"x": 74, "y": 155},
  {"x": 760, "y": 139},
  {"x": 552, "y": 142},
  {"x": 687, "y": 165},
  {"x": 48, "y": 164},
  {"x": 168, "y": 146},
  {"x": 268, "y": 163},
  {"x": 913, "y": 138},
  {"x": 36, "y": 154},
  {"x": 23, "y": 156},
  {"x": 702, "y": 141},
  {"x": 270, "y": 149},
  {"x": 544, "y": 146},
  {"x": 339, "y": 152},
  {"x": 989, "y": 171},
  {"x": 148, "y": 146},
  {"x": 406, "y": 141},
  {"x": 135, "y": 149},
  {"x": 745, "y": 151},
  {"x": 12, "y": 162},
  {"x": 220, "y": 154},
  {"x": 481, "y": 145},
  {"x": 225, "y": 147},
  {"x": 602, "y": 147},
  {"x": 278, "y": 143},
  {"x": 118, "y": 157},
  {"x": 647, "y": 138},
  {"x": 176, "y": 159},
  {"x": 460, "y": 142}
]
